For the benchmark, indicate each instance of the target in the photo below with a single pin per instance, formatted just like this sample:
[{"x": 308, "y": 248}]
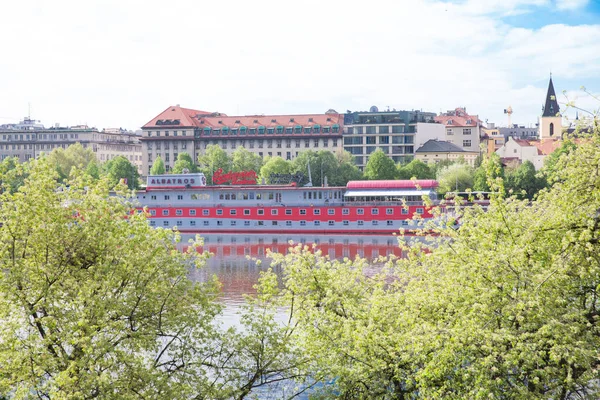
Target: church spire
[{"x": 551, "y": 108}]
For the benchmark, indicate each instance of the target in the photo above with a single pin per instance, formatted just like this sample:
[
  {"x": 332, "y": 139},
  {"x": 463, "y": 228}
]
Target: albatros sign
[
  {"x": 234, "y": 178},
  {"x": 175, "y": 181}
]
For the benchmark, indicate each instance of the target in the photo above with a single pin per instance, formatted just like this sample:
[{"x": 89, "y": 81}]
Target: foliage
[
  {"x": 158, "y": 166},
  {"x": 488, "y": 172},
  {"x": 73, "y": 156},
  {"x": 524, "y": 181},
  {"x": 380, "y": 166},
  {"x": 213, "y": 158},
  {"x": 184, "y": 162},
  {"x": 120, "y": 169},
  {"x": 416, "y": 169},
  {"x": 504, "y": 307},
  {"x": 455, "y": 177},
  {"x": 274, "y": 165},
  {"x": 244, "y": 160},
  {"x": 12, "y": 174},
  {"x": 552, "y": 160}
]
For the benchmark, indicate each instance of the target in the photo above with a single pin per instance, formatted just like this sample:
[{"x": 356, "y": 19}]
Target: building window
[
  {"x": 466, "y": 131},
  {"x": 466, "y": 143},
  {"x": 449, "y": 132}
]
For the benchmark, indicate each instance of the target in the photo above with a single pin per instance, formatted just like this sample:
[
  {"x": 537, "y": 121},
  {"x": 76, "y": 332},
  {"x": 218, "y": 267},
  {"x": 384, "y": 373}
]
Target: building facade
[
  {"x": 434, "y": 151},
  {"x": 551, "y": 120},
  {"x": 177, "y": 130},
  {"x": 461, "y": 129},
  {"x": 396, "y": 133},
  {"x": 28, "y": 139}
]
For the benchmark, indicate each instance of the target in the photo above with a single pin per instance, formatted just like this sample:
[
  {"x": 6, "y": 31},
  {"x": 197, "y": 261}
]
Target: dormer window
[
  {"x": 449, "y": 122},
  {"x": 469, "y": 122}
]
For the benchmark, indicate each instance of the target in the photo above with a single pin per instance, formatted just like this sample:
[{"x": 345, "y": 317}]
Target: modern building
[
  {"x": 178, "y": 129},
  {"x": 519, "y": 132},
  {"x": 491, "y": 138},
  {"x": 434, "y": 151},
  {"x": 551, "y": 119},
  {"x": 396, "y": 133},
  {"x": 28, "y": 139},
  {"x": 461, "y": 129}
]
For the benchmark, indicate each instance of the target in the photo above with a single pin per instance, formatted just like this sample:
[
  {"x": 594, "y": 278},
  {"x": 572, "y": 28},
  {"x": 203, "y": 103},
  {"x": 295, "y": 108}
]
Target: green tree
[
  {"x": 13, "y": 174},
  {"x": 213, "y": 159},
  {"x": 380, "y": 166},
  {"x": 158, "y": 166},
  {"x": 503, "y": 307},
  {"x": 74, "y": 156},
  {"x": 487, "y": 173},
  {"x": 416, "y": 169},
  {"x": 524, "y": 181},
  {"x": 345, "y": 169},
  {"x": 94, "y": 169},
  {"x": 550, "y": 163},
  {"x": 118, "y": 169},
  {"x": 274, "y": 165},
  {"x": 184, "y": 162},
  {"x": 455, "y": 177},
  {"x": 244, "y": 160}
]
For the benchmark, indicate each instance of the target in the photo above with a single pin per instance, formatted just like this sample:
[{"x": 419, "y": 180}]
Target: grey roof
[
  {"x": 438, "y": 146},
  {"x": 551, "y": 107}
]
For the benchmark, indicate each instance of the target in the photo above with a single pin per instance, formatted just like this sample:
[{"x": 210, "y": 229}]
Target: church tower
[{"x": 551, "y": 120}]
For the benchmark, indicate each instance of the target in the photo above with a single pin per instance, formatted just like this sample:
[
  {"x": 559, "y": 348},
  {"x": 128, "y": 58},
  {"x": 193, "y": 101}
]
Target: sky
[{"x": 119, "y": 63}]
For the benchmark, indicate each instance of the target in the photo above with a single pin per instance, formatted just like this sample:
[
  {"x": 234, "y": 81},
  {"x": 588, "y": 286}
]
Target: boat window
[
  {"x": 261, "y": 223},
  {"x": 360, "y": 211},
  {"x": 165, "y": 212},
  {"x": 205, "y": 223},
  {"x": 320, "y": 195},
  {"x": 374, "y": 211},
  {"x": 331, "y": 223},
  {"x": 167, "y": 197},
  {"x": 258, "y": 196},
  {"x": 345, "y": 222},
  {"x": 153, "y": 212},
  {"x": 165, "y": 223},
  {"x": 405, "y": 223},
  {"x": 331, "y": 211},
  {"x": 302, "y": 212},
  {"x": 219, "y": 212},
  {"x": 261, "y": 212},
  {"x": 232, "y": 212},
  {"x": 178, "y": 212},
  {"x": 192, "y": 212},
  {"x": 389, "y": 211},
  {"x": 317, "y": 212},
  {"x": 304, "y": 195},
  {"x": 251, "y": 195},
  {"x": 179, "y": 197},
  {"x": 205, "y": 212},
  {"x": 317, "y": 223},
  {"x": 192, "y": 223},
  {"x": 232, "y": 223},
  {"x": 288, "y": 212},
  {"x": 360, "y": 223},
  {"x": 375, "y": 222},
  {"x": 390, "y": 222},
  {"x": 221, "y": 196},
  {"x": 419, "y": 210},
  {"x": 232, "y": 196},
  {"x": 271, "y": 196},
  {"x": 273, "y": 222},
  {"x": 153, "y": 197},
  {"x": 302, "y": 223},
  {"x": 152, "y": 223},
  {"x": 345, "y": 211},
  {"x": 274, "y": 212},
  {"x": 310, "y": 195},
  {"x": 404, "y": 211},
  {"x": 246, "y": 223},
  {"x": 219, "y": 223},
  {"x": 227, "y": 196},
  {"x": 246, "y": 212},
  {"x": 179, "y": 223}
]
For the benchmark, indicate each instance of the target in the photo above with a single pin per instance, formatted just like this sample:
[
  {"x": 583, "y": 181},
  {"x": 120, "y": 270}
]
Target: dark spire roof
[{"x": 551, "y": 108}]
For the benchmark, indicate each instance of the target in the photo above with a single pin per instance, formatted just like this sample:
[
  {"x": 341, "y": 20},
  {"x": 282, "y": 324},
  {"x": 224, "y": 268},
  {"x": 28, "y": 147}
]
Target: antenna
[{"x": 309, "y": 184}]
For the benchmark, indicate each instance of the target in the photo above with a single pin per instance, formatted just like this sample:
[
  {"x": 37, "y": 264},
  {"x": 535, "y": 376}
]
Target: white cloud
[
  {"x": 113, "y": 63},
  {"x": 571, "y": 4}
]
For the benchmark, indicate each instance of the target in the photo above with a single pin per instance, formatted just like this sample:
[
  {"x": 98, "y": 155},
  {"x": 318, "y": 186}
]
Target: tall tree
[
  {"x": 120, "y": 169},
  {"x": 13, "y": 174},
  {"x": 213, "y": 159},
  {"x": 455, "y": 177},
  {"x": 345, "y": 170},
  {"x": 74, "y": 156},
  {"x": 244, "y": 160},
  {"x": 524, "y": 181},
  {"x": 380, "y": 166},
  {"x": 158, "y": 167},
  {"x": 487, "y": 173},
  {"x": 274, "y": 165},
  {"x": 184, "y": 162},
  {"x": 416, "y": 169}
]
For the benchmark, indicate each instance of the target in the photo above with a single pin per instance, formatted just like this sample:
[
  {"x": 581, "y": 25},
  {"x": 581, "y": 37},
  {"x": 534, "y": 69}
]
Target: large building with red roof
[{"x": 177, "y": 130}]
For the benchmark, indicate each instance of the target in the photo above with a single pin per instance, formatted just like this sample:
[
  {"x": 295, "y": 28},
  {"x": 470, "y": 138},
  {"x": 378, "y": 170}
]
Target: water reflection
[{"x": 234, "y": 256}]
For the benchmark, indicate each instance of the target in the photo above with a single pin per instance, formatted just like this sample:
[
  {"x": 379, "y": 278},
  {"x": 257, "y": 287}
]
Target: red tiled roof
[
  {"x": 254, "y": 121},
  {"x": 186, "y": 117},
  {"x": 459, "y": 119},
  {"x": 203, "y": 119},
  {"x": 523, "y": 142},
  {"x": 547, "y": 146}
]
